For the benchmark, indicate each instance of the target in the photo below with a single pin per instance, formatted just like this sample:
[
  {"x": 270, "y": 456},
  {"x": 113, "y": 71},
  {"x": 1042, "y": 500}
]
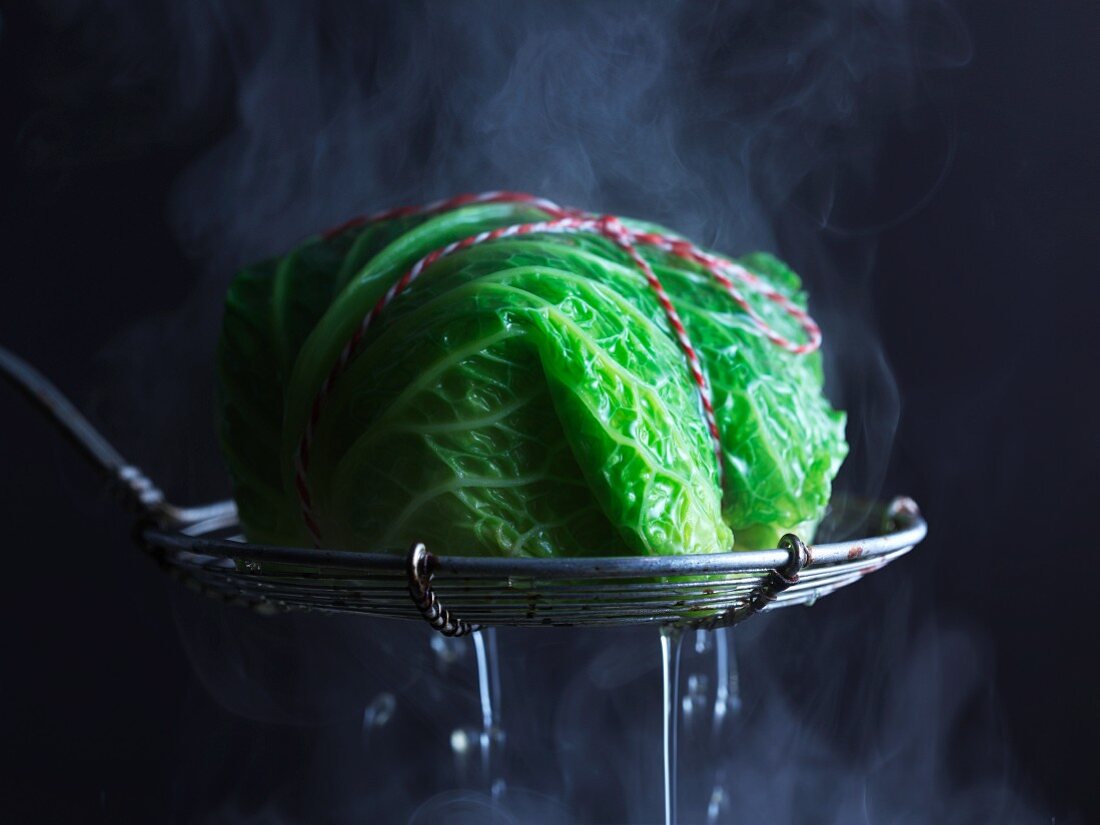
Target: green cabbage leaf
[{"x": 523, "y": 397}]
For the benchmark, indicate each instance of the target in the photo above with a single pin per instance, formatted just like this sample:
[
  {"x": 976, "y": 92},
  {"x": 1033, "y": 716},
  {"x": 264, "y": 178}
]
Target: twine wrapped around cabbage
[{"x": 497, "y": 375}]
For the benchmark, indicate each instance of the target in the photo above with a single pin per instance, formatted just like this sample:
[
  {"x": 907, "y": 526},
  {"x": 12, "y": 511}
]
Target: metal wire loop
[
  {"x": 901, "y": 510},
  {"x": 138, "y": 489},
  {"x": 420, "y": 564},
  {"x": 775, "y": 582}
]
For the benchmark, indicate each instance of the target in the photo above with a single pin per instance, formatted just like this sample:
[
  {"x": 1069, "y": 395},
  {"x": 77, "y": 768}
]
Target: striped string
[{"x": 563, "y": 220}]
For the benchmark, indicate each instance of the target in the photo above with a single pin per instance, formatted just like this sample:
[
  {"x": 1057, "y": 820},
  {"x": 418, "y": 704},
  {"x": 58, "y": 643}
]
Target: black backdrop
[{"x": 985, "y": 298}]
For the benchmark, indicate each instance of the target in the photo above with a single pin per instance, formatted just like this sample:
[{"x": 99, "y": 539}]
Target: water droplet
[
  {"x": 670, "y": 673},
  {"x": 719, "y": 803},
  {"x": 379, "y": 711},
  {"x": 702, "y": 641},
  {"x": 697, "y": 684},
  {"x": 447, "y": 650},
  {"x": 460, "y": 741}
]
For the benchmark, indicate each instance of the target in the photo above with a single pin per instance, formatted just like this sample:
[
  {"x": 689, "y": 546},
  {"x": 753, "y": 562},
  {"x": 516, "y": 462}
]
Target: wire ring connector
[
  {"x": 139, "y": 491},
  {"x": 899, "y": 512},
  {"x": 775, "y": 582},
  {"x": 419, "y": 567}
]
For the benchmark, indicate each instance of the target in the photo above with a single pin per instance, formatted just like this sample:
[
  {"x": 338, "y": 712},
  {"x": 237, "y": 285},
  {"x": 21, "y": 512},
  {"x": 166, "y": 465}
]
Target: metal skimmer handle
[{"x": 136, "y": 489}]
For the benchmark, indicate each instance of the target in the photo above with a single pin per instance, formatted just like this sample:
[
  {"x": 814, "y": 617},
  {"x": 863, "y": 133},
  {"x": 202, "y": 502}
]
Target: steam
[
  {"x": 743, "y": 125},
  {"x": 860, "y": 710}
]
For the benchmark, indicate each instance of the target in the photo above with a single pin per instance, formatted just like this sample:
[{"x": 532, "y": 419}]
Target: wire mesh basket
[{"x": 458, "y": 594}]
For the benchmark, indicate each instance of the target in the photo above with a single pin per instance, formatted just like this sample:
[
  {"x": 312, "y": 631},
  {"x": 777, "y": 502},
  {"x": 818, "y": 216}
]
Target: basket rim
[{"x": 903, "y": 528}]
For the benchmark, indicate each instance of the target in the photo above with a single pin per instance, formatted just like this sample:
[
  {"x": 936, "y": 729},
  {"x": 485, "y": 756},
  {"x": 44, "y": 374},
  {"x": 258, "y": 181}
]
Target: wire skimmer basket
[{"x": 458, "y": 594}]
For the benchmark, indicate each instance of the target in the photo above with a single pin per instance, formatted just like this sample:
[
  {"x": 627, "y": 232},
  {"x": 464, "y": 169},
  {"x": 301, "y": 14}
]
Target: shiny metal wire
[{"x": 457, "y": 594}]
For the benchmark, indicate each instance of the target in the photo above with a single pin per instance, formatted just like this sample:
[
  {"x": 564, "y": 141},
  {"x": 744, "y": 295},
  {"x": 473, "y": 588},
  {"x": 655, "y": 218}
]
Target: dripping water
[
  {"x": 473, "y": 745},
  {"x": 670, "y": 672},
  {"x": 722, "y": 686},
  {"x": 698, "y": 710},
  {"x": 488, "y": 688},
  {"x": 699, "y": 700},
  {"x": 727, "y": 700}
]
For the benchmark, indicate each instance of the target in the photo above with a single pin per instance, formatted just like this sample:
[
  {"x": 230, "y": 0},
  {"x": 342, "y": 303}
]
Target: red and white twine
[{"x": 563, "y": 220}]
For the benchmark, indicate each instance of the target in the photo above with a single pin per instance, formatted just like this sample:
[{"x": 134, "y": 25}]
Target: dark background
[{"x": 984, "y": 296}]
